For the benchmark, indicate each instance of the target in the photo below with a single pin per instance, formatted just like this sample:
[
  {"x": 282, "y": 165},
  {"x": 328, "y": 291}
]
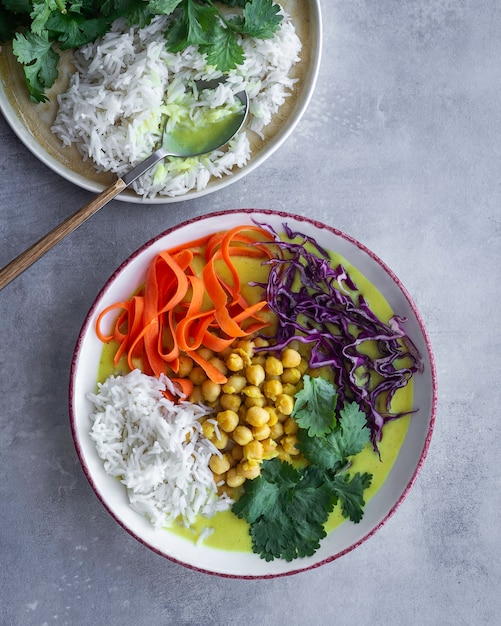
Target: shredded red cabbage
[{"x": 320, "y": 305}]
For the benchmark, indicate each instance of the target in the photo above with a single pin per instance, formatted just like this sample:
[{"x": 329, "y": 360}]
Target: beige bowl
[{"x": 32, "y": 122}]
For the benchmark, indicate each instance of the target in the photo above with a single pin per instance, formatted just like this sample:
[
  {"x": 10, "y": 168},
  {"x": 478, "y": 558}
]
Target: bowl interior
[{"x": 84, "y": 372}]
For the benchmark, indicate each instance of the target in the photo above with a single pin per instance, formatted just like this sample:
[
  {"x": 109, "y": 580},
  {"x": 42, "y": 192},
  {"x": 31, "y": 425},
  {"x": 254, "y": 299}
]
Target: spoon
[{"x": 181, "y": 142}]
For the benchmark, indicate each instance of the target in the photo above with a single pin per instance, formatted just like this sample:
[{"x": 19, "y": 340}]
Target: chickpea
[
  {"x": 197, "y": 375},
  {"x": 205, "y": 353},
  {"x": 220, "y": 442},
  {"x": 261, "y": 432},
  {"x": 269, "y": 448},
  {"x": 237, "y": 453},
  {"x": 210, "y": 390},
  {"x": 219, "y": 364},
  {"x": 227, "y": 420},
  {"x": 283, "y": 455},
  {"x": 261, "y": 342},
  {"x": 276, "y": 431},
  {"x": 255, "y": 402},
  {"x": 257, "y": 416},
  {"x": 245, "y": 348},
  {"x": 255, "y": 374},
  {"x": 252, "y": 391},
  {"x": 291, "y": 375},
  {"x": 209, "y": 430},
  {"x": 290, "y": 390},
  {"x": 185, "y": 366},
  {"x": 242, "y": 435},
  {"x": 253, "y": 450},
  {"x": 234, "y": 362},
  {"x": 290, "y": 426},
  {"x": 248, "y": 469},
  {"x": 245, "y": 354},
  {"x": 272, "y": 389},
  {"x": 259, "y": 359},
  {"x": 219, "y": 464},
  {"x": 234, "y": 384},
  {"x": 290, "y": 358},
  {"x": 272, "y": 412},
  {"x": 284, "y": 404},
  {"x": 230, "y": 401},
  {"x": 289, "y": 445},
  {"x": 219, "y": 479},
  {"x": 303, "y": 366},
  {"x": 273, "y": 366},
  {"x": 234, "y": 479},
  {"x": 196, "y": 395}
]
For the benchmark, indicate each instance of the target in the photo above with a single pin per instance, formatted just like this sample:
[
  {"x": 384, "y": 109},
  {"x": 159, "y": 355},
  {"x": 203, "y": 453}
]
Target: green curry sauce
[{"x": 231, "y": 533}]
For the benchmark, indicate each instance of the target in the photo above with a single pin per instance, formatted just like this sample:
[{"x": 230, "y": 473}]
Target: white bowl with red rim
[{"x": 341, "y": 540}]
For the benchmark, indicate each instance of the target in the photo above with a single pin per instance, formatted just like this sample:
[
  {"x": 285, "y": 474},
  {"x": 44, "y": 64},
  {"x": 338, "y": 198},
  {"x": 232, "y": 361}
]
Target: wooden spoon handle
[{"x": 43, "y": 245}]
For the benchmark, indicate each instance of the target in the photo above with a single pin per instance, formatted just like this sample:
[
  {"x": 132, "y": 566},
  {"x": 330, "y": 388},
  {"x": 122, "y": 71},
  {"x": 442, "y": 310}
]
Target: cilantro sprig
[
  {"x": 287, "y": 507},
  {"x": 40, "y": 28}
]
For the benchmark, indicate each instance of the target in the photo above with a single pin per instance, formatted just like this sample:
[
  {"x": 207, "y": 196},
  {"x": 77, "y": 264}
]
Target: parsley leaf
[
  {"x": 314, "y": 406},
  {"x": 40, "y": 62}
]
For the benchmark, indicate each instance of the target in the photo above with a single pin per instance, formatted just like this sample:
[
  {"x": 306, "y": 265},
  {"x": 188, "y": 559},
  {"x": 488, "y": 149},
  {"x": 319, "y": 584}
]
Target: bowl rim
[
  {"x": 19, "y": 128},
  {"x": 317, "y": 224}
]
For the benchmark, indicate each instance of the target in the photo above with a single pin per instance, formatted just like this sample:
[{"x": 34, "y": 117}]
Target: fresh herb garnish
[
  {"x": 40, "y": 27},
  {"x": 287, "y": 507}
]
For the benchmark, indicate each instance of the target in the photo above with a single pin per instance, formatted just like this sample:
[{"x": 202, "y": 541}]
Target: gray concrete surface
[{"x": 400, "y": 148}]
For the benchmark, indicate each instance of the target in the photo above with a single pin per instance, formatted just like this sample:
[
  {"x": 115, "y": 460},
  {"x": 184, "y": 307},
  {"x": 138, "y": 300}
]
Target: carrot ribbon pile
[{"x": 179, "y": 310}]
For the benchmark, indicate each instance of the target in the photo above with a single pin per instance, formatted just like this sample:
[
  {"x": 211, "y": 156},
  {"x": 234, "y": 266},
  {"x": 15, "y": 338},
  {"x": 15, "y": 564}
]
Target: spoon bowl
[
  {"x": 181, "y": 141},
  {"x": 185, "y": 140}
]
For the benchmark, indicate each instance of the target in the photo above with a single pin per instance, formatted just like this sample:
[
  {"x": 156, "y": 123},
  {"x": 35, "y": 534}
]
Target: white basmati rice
[
  {"x": 156, "y": 448},
  {"x": 118, "y": 97}
]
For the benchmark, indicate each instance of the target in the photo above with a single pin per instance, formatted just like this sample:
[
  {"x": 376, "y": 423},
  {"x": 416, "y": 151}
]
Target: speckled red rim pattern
[{"x": 428, "y": 358}]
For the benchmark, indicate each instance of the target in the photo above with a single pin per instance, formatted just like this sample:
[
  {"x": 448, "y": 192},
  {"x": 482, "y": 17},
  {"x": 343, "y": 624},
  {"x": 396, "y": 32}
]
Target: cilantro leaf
[
  {"x": 134, "y": 11},
  {"x": 286, "y": 509},
  {"x": 35, "y": 53},
  {"x": 18, "y": 6},
  {"x": 355, "y": 433},
  {"x": 262, "y": 493},
  {"x": 10, "y": 22},
  {"x": 314, "y": 406},
  {"x": 224, "y": 52},
  {"x": 163, "y": 7},
  {"x": 197, "y": 24},
  {"x": 351, "y": 493},
  {"x": 72, "y": 24},
  {"x": 261, "y": 18},
  {"x": 347, "y": 438},
  {"x": 72, "y": 30},
  {"x": 42, "y": 10}
]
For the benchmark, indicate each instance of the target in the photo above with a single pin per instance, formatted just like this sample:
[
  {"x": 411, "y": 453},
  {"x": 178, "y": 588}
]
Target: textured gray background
[{"x": 401, "y": 149}]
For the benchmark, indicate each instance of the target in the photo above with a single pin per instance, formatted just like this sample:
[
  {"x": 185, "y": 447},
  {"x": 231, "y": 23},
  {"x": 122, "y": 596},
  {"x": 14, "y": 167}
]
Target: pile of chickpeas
[{"x": 252, "y": 410}]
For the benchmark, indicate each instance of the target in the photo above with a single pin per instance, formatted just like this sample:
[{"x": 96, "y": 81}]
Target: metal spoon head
[{"x": 223, "y": 123}]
